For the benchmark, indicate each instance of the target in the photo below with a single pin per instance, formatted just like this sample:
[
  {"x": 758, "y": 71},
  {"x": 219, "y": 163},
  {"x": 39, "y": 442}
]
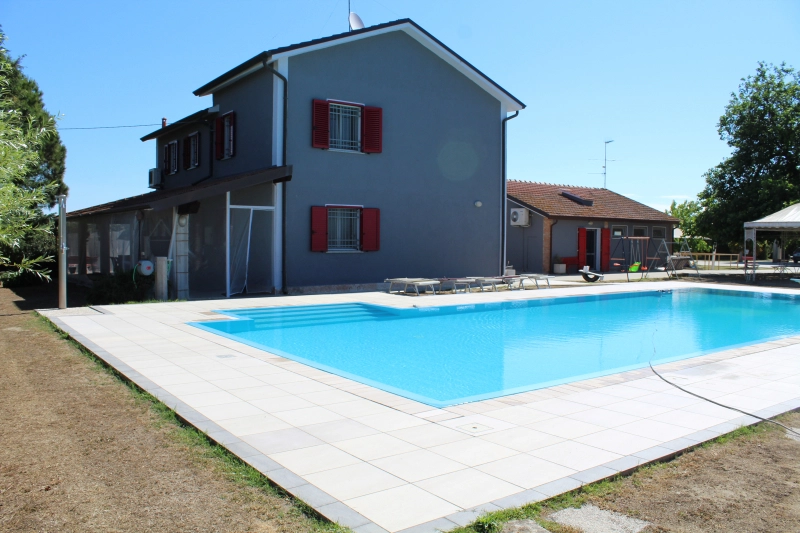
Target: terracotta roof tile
[{"x": 548, "y": 200}]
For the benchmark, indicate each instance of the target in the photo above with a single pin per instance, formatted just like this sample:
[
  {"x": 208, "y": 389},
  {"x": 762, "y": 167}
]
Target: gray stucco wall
[
  {"x": 441, "y": 153},
  {"x": 251, "y": 100},
  {"x": 524, "y": 244}
]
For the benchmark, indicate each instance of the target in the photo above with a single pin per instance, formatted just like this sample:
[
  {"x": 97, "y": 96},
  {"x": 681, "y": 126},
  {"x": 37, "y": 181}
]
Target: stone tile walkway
[{"x": 375, "y": 461}]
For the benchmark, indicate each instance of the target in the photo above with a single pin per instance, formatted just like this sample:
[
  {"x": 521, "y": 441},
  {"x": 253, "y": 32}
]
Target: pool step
[{"x": 285, "y": 317}]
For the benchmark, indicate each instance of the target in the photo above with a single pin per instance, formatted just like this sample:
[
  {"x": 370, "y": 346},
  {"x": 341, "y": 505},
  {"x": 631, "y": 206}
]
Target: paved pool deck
[{"x": 375, "y": 461}]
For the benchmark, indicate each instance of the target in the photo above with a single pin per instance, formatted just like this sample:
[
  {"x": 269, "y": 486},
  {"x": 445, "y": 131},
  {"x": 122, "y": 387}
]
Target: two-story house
[{"x": 336, "y": 162}]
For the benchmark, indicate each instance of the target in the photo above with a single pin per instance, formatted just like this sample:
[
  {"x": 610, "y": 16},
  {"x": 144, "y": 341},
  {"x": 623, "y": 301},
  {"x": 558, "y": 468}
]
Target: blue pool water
[{"x": 455, "y": 354}]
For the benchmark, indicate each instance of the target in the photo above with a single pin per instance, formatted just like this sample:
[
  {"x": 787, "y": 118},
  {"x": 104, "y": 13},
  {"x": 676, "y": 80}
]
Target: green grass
[{"x": 221, "y": 460}]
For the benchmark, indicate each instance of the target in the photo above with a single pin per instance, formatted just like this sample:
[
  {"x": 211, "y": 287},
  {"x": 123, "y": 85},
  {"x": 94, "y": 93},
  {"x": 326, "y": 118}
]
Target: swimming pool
[{"x": 448, "y": 355}]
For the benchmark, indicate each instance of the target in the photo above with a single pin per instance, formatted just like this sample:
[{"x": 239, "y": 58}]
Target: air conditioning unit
[
  {"x": 155, "y": 178},
  {"x": 520, "y": 217}
]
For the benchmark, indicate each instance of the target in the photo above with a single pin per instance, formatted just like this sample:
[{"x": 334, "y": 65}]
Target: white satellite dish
[{"x": 355, "y": 22}]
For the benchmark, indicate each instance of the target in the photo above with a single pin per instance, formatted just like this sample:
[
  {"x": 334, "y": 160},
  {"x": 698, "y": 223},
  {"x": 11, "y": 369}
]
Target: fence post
[{"x": 161, "y": 279}]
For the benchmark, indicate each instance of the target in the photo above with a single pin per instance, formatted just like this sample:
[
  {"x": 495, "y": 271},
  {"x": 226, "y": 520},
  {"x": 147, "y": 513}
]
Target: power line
[{"x": 111, "y": 127}]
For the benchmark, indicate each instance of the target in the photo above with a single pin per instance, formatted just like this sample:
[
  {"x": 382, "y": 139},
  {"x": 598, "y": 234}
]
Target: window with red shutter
[
  {"x": 319, "y": 229},
  {"x": 320, "y": 124},
  {"x": 370, "y": 229},
  {"x": 372, "y": 130},
  {"x": 219, "y": 138},
  {"x": 230, "y": 134},
  {"x": 605, "y": 249},
  {"x": 581, "y": 247}
]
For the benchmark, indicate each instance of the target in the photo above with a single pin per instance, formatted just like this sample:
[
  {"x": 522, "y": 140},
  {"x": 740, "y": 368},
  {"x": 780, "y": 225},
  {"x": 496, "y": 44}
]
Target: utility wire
[
  {"x": 665, "y": 380},
  {"x": 111, "y": 127}
]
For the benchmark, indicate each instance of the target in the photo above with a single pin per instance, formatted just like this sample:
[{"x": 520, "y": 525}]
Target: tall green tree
[
  {"x": 24, "y": 96},
  {"x": 761, "y": 124},
  {"x": 687, "y": 212},
  {"x": 21, "y": 140}
]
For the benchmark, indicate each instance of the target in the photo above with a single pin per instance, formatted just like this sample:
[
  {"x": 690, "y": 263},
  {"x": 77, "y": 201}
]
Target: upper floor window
[
  {"x": 171, "y": 157},
  {"x": 347, "y": 127},
  {"x": 225, "y": 136},
  {"x": 191, "y": 151}
]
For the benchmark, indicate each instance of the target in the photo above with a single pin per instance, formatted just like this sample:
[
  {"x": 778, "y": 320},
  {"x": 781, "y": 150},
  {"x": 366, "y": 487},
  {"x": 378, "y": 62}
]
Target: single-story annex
[{"x": 584, "y": 226}]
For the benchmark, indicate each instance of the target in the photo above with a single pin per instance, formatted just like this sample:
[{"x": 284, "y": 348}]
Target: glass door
[{"x": 591, "y": 248}]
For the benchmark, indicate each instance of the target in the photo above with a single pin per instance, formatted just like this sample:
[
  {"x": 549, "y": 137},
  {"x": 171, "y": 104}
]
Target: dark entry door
[{"x": 591, "y": 248}]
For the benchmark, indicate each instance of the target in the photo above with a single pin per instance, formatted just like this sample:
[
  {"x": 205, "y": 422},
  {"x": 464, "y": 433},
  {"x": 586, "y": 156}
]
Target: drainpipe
[
  {"x": 551, "y": 245},
  {"x": 505, "y": 195},
  {"x": 283, "y": 162}
]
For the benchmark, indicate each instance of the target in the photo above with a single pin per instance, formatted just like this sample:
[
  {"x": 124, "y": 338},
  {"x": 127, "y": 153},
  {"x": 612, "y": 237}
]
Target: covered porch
[{"x": 221, "y": 237}]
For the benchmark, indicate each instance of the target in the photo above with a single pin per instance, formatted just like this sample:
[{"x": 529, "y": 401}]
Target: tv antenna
[
  {"x": 605, "y": 160},
  {"x": 354, "y": 22}
]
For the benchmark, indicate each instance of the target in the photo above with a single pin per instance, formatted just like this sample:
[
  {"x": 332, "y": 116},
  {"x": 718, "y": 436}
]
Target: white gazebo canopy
[{"x": 785, "y": 219}]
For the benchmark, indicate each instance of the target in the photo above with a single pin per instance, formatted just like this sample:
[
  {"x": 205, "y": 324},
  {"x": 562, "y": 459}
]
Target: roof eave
[{"x": 407, "y": 25}]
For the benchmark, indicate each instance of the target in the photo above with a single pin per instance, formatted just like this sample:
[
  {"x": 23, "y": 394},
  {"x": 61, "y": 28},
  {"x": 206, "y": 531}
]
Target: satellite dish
[{"x": 355, "y": 22}]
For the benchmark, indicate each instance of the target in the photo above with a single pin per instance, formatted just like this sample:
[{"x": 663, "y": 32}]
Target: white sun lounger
[
  {"x": 536, "y": 278},
  {"x": 488, "y": 281},
  {"x": 412, "y": 282}
]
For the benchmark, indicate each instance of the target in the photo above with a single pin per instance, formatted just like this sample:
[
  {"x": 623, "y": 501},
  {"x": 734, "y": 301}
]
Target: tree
[
  {"x": 761, "y": 124},
  {"x": 21, "y": 141},
  {"x": 25, "y": 97},
  {"x": 687, "y": 213}
]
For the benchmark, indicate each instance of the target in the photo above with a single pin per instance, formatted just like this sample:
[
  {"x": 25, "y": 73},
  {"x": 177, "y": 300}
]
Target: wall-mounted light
[
  {"x": 182, "y": 220},
  {"x": 478, "y": 203}
]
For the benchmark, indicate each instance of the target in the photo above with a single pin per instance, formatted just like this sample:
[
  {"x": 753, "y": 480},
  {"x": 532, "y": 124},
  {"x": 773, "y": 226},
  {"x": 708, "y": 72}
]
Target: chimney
[{"x": 164, "y": 122}]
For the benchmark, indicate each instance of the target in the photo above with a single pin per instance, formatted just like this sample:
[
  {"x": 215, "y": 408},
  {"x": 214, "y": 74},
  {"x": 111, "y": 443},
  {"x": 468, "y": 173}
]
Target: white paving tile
[
  {"x": 416, "y": 507},
  {"x": 525, "y": 470},
  {"x": 307, "y": 416},
  {"x": 651, "y": 429},
  {"x": 417, "y": 465},
  {"x": 375, "y": 446},
  {"x": 314, "y": 459},
  {"x": 473, "y": 451},
  {"x": 354, "y": 480},
  {"x": 566, "y": 428},
  {"x": 617, "y": 441},
  {"x": 575, "y": 455},
  {"x": 427, "y": 435},
  {"x": 468, "y": 488},
  {"x": 522, "y": 439}
]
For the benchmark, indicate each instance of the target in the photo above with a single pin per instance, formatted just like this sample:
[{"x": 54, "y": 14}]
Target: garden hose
[{"x": 665, "y": 380}]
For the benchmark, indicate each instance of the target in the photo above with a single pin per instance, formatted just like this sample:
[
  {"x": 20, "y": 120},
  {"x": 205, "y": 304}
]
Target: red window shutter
[
  {"x": 370, "y": 229},
  {"x": 319, "y": 229},
  {"x": 232, "y": 126},
  {"x": 219, "y": 138},
  {"x": 187, "y": 153},
  {"x": 320, "y": 124},
  {"x": 605, "y": 249},
  {"x": 581, "y": 247},
  {"x": 372, "y": 130}
]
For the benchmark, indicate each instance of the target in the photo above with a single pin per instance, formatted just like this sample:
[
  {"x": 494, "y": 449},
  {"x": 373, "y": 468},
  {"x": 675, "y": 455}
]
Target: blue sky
[{"x": 653, "y": 76}]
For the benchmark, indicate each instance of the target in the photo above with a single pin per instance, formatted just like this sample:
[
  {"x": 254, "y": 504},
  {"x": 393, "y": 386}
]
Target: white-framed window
[
  {"x": 640, "y": 231},
  {"x": 193, "y": 150},
  {"x": 619, "y": 231},
  {"x": 171, "y": 157},
  {"x": 345, "y": 127},
  {"x": 659, "y": 232},
  {"x": 228, "y": 140},
  {"x": 344, "y": 228}
]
